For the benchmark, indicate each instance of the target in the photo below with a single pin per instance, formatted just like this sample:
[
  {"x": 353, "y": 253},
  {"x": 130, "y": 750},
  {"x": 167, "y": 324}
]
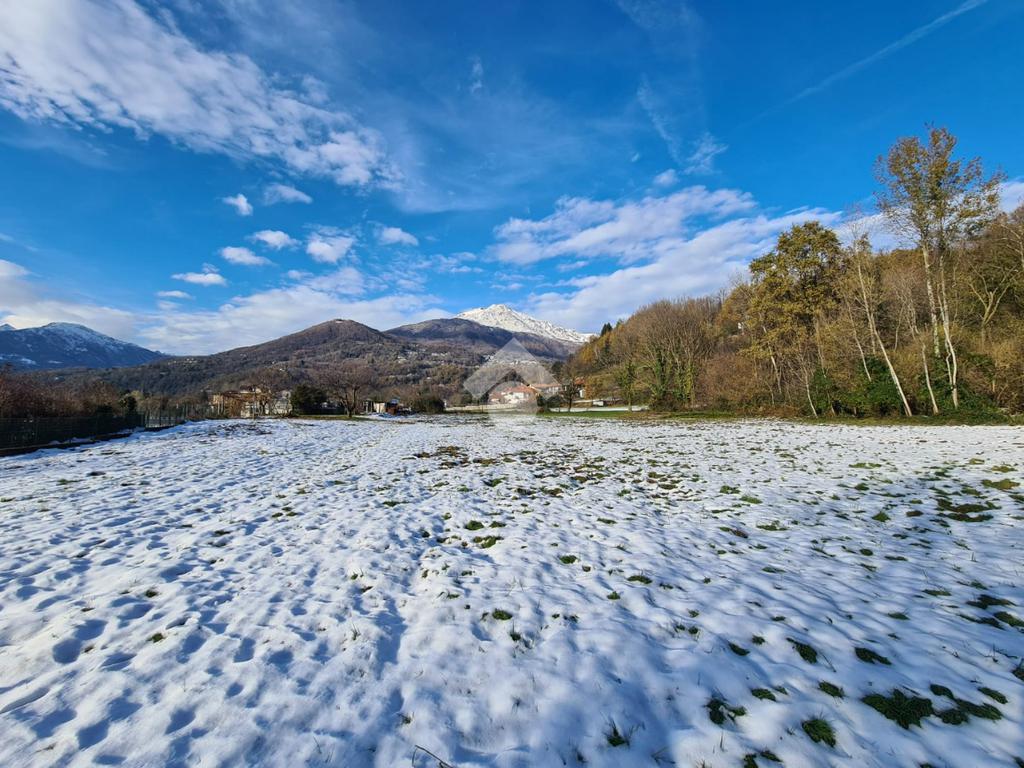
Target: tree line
[{"x": 819, "y": 326}]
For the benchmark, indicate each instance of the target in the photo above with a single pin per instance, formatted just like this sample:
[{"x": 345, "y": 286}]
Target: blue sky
[{"x": 197, "y": 176}]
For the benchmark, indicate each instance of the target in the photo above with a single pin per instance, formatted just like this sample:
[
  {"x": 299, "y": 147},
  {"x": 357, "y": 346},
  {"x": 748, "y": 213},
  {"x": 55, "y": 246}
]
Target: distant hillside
[
  {"x": 67, "y": 345},
  {"x": 503, "y": 316},
  {"x": 437, "y": 355},
  {"x": 282, "y": 362},
  {"x": 481, "y": 339}
]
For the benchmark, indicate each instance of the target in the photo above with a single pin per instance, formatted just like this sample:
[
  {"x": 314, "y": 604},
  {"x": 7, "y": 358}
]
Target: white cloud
[
  {"x": 346, "y": 281},
  {"x": 666, "y": 245},
  {"x": 240, "y": 203},
  {"x": 661, "y": 119},
  {"x": 23, "y": 306},
  {"x": 9, "y": 270},
  {"x": 455, "y": 263},
  {"x": 684, "y": 265},
  {"x": 702, "y": 160},
  {"x": 1011, "y": 194},
  {"x": 667, "y": 178},
  {"x": 329, "y": 245},
  {"x": 274, "y": 238},
  {"x": 173, "y": 295},
  {"x": 242, "y": 256},
  {"x": 272, "y": 313},
  {"x": 396, "y": 236},
  {"x": 911, "y": 37},
  {"x": 476, "y": 75},
  {"x": 283, "y": 193},
  {"x": 209, "y": 276},
  {"x": 628, "y": 231},
  {"x": 243, "y": 320},
  {"x": 881, "y": 235},
  {"x": 112, "y": 64}
]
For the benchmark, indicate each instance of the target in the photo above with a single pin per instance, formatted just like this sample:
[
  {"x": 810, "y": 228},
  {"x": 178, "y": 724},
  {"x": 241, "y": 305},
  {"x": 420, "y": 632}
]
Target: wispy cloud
[
  {"x": 1011, "y": 194},
  {"x": 909, "y": 39},
  {"x": 284, "y": 193},
  {"x": 24, "y": 305},
  {"x": 661, "y": 245},
  {"x": 628, "y": 231},
  {"x": 148, "y": 77},
  {"x": 689, "y": 265},
  {"x": 274, "y": 238},
  {"x": 396, "y": 236},
  {"x": 240, "y": 203},
  {"x": 667, "y": 178},
  {"x": 272, "y": 313},
  {"x": 476, "y": 75},
  {"x": 9, "y": 270},
  {"x": 329, "y": 245},
  {"x": 233, "y": 254},
  {"x": 208, "y": 277},
  {"x": 701, "y": 161},
  {"x": 661, "y": 119}
]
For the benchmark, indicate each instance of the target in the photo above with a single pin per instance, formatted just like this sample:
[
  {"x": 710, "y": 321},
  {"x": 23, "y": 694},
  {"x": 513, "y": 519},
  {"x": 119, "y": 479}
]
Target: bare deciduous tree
[
  {"x": 937, "y": 201},
  {"x": 345, "y": 383}
]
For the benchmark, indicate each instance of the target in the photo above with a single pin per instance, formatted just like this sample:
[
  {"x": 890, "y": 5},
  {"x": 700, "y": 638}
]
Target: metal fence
[{"x": 42, "y": 431}]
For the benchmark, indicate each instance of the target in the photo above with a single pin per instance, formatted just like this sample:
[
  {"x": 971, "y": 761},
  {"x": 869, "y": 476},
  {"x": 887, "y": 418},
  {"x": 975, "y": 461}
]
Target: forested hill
[{"x": 821, "y": 327}]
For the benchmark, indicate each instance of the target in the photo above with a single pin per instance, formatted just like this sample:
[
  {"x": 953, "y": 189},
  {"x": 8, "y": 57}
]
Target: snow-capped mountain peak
[
  {"x": 83, "y": 333},
  {"x": 503, "y": 316},
  {"x": 68, "y": 345}
]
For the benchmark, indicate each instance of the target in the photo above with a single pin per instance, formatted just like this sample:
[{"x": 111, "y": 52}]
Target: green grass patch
[
  {"x": 719, "y": 711},
  {"x": 615, "y": 738},
  {"x": 807, "y": 652},
  {"x": 750, "y": 759},
  {"x": 819, "y": 730},
  {"x": 900, "y": 708},
  {"x": 870, "y": 657},
  {"x": 994, "y": 694},
  {"x": 836, "y": 691}
]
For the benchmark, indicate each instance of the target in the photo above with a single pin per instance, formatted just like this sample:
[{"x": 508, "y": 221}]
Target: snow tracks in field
[{"x": 542, "y": 592}]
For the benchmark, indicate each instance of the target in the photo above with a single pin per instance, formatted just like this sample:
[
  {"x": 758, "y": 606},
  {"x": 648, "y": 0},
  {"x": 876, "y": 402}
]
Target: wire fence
[{"x": 18, "y": 434}]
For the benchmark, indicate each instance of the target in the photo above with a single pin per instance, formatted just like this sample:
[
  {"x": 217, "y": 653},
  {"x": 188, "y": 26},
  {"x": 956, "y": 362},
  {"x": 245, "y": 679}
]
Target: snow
[
  {"x": 310, "y": 593},
  {"x": 503, "y": 316},
  {"x": 80, "y": 337},
  {"x": 70, "y": 344}
]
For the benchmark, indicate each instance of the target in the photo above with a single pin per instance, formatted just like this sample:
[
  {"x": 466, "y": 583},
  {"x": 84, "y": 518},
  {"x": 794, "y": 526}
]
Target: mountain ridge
[
  {"x": 68, "y": 345},
  {"x": 435, "y": 354},
  {"x": 503, "y": 316},
  {"x": 483, "y": 339}
]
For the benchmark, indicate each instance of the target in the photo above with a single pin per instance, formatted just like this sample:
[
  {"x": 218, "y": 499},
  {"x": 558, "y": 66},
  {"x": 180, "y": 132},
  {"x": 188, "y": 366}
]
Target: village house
[
  {"x": 391, "y": 407},
  {"x": 251, "y": 403},
  {"x": 513, "y": 393}
]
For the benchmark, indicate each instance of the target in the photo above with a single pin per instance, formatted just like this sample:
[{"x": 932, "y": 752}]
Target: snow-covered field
[{"x": 544, "y": 593}]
